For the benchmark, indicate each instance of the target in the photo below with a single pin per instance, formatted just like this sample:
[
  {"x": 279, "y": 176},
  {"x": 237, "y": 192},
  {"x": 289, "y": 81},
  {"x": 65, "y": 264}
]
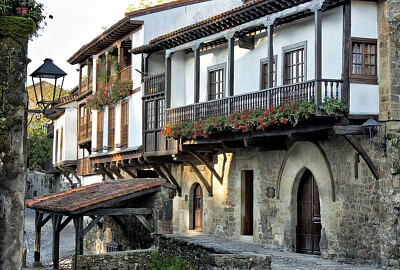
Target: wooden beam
[
  {"x": 145, "y": 223},
  {"x": 64, "y": 223},
  {"x": 197, "y": 73},
  {"x": 231, "y": 65},
  {"x": 78, "y": 223},
  {"x": 77, "y": 178},
  {"x": 91, "y": 225},
  {"x": 115, "y": 170},
  {"x": 270, "y": 55},
  {"x": 38, "y": 233},
  {"x": 346, "y": 53},
  {"x": 126, "y": 169},
  {"x": 172, "y": 179},
  {"x": 199, "y": 148},
  {"x": 56, "y": 220},
  {"x": 201, "y": 177},
  {"x": 318, "y": 56},
  {"x": 118, "y": 212},
  {"x": 357, "y": 146},
  {"x": 348, "y": 130},
  {"x": 168, "y": 80},
  {"x": 213, "y": 171},
  {"x": 105, "y": 171},
  {"x": 160, "y": 172},
  {"x": 45, "y": 220}
]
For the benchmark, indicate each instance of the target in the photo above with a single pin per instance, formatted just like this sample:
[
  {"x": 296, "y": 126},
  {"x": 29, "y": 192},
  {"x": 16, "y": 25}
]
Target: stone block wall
[{"x": 125, "y": 260}]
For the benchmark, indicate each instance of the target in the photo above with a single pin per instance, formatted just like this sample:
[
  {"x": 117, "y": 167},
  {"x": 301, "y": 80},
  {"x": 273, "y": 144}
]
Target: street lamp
[
  {"x": 372, "y": 127},
  {"x": 48, "y": 70}
]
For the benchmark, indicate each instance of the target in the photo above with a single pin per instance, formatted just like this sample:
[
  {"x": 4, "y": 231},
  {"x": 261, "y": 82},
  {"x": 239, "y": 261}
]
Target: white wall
[{"x": 364, "y": 98}]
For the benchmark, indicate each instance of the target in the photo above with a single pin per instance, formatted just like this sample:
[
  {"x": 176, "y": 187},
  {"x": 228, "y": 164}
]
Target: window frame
[
  {"x": 362, "y": 78},
  {"x": 291, "y": 48},
  {"x": 109, "y": 128},
  {"x": 214, "y": 68},
  {"x": 100, "y": 130},
  {"x": 263, "y": 81},
  {"x": 124, "y": 144}
]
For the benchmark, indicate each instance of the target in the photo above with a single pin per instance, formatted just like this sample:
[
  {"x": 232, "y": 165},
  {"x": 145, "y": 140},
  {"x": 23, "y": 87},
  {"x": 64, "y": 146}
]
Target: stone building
[{"x": 295, "y": 171}]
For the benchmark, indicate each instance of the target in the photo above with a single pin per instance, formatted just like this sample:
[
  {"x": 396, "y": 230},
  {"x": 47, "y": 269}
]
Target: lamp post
[{"x": 49, "y": 71}]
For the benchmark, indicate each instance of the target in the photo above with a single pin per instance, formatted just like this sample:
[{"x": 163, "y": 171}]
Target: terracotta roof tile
[{"x": 87, "y": 197}]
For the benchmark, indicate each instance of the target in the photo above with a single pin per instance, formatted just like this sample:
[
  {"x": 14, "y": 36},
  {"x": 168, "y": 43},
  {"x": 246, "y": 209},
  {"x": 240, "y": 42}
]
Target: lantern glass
[
  {"x": 47, "y": 74},
  {"x": 370, "y": 128}
]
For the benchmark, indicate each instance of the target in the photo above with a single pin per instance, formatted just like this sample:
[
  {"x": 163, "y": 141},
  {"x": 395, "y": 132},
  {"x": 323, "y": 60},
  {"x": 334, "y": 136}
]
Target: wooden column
[
  {"x": 38, "y": 232},
  {"x": 80, "y": 78},
  {"x": 196, "y": 73},
  {"x": 56, "y": 220},
  {"x": 270, "y": 55},
  {"x": 318, "y": 55},
  {"x": 231, "y": 65},
  {"x": 121, "y": 57},
  {"x": 78, "y": 224},
  {"x": 145, "y": 65},
  {"x": 168, "y": 57},
  {"x": 346, "y": 52}
]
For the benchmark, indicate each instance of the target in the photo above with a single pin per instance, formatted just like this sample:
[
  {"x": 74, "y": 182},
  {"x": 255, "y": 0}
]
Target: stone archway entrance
[{"x": 308, "y": 215}]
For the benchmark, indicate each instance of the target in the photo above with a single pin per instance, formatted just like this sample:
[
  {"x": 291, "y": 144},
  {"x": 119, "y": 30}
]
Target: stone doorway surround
[{"x": 300, "y": 157}]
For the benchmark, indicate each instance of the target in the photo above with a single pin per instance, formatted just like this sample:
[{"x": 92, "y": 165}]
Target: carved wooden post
[
  {"x": 270, "y": 55},
  {"x": 346, "y": 52},
  {"x": 231, "y": 64},
  {"x": 78, "y": 223},
  {"x": 168, "y": 56},
  {"x": 56, "y": 220},
  {"x": 196, "y": 73},
  {"x": 318, "y": 52}
]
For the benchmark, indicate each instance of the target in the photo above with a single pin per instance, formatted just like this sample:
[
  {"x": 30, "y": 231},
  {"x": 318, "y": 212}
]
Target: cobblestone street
[{"x": 67, "y": 240}]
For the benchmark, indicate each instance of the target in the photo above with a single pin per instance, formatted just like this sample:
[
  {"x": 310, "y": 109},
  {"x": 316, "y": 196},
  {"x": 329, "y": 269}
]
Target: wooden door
[
  {"x": 198, "y": 208},
  {"x": 309, "y": 217},
  {"x": 247, "y": 189}
]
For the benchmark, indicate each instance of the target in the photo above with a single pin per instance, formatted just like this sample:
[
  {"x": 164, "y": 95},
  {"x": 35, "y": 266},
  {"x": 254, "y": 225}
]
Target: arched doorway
[
  {"x": 308, "y": 215},
  {"x": 197, "y": 207}
]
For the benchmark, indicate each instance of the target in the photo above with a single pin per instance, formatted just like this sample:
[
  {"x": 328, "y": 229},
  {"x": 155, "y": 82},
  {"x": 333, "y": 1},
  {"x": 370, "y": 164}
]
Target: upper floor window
[
  {"x": 111, "y": 127},
  {"x": 264, "y": 73},
  {"x": 56, "y": 148},
  {"x": 124, "y": 123},
  {"x": 150, "y": 115},
  {"x": 100, "y": 123},
  {"x": 61, "y": 142},
  {"x": 216, "y": 82},
  {"x": 363, "y": 60},
  {"x": 294, "y": 63}
]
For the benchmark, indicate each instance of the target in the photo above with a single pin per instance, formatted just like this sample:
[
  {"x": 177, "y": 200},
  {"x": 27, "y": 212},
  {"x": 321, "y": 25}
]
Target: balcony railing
[
  {"x": 84, "y": 167},
  {"x": 85, "y": 132},
  {"x": 154, "y": 84},
  {"x": 86, "y": 85},
  {"x": 304, "y": 91},
  {"x": 126, "y": 73},
  {"x": 112, "y": 78}
]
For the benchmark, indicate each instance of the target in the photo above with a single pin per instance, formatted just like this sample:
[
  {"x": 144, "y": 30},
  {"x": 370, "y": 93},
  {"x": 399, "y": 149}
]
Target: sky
[{"x": 74, "y": 24}]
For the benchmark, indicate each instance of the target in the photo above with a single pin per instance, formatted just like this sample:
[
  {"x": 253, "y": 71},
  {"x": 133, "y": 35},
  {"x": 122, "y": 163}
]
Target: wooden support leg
[
  {"x": 38, "y": 232},
  {"x": 211, "y": 168},
  {"x": 78, "y": 223},
  {"x": 201, "y": 177},
  {"x": 56, "y": 220}
]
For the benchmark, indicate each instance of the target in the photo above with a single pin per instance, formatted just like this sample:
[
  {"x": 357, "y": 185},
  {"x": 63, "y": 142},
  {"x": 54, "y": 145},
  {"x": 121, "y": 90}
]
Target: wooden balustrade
[
  {"x": 304, "y": 91},
  {"x": 126, "y": 73},
  {"x": 85, "y": 132},
  {"x": 154, "y": 84},
  {"x": 90, "y": 87},
  {"x": 83, "y": 86},
  {"x": 112, "y": 78},
  {"x": 84, "y": 167}
]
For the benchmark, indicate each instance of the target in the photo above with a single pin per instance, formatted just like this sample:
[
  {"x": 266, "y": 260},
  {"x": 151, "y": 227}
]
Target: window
[
  {"x": 150, "y": 115},
  {"x": 111, "y": 127},
  {"x": 294, "y": 69},
  {"x": 61, "y": 142},
  {"x": 216, "y": 82},
  {"x": 100, "y": 124},
  {"x": 124, "y": 123},
  {"x": 160, "y": 113},
  {"x": 363, "y": 60},
  {"x": 264, "y": 73}
]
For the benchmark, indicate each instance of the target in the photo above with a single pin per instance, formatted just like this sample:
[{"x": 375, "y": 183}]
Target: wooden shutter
[
  {"x": 124, "y": 123},
  {"x": 61, "y": 142},
  {"x": 111, "y": 127},
  {"x": 100, "y": 123}
]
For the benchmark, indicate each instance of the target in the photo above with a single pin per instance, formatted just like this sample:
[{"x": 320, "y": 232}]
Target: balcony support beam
[
  {"x": 126, "y": 169},
  {"x": 318, "y": 53},
  {"x": 196, "y": 73},
  {"x": 168, "y": 80},
  {"x": 201, "y": 177},
  {"x": 270, "y": 55},
  {"x": 231, "y": 64},
  {"x": 346, "y": 53},
  {"x": 172, "y": 179},
  {"x": 106, "y": 172},
  {"x": 212, "y": 170},
  {"x": 115, "y": 170}
]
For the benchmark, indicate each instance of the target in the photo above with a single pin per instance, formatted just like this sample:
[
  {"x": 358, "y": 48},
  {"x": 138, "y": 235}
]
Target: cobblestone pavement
[
  {"x": 280, "y": 260},
  {"x": 67, "y": 240}
]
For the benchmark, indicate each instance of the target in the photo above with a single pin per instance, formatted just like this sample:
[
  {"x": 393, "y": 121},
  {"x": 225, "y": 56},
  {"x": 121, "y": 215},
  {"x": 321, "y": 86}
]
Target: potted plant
[{"x": 22, "y": 7}]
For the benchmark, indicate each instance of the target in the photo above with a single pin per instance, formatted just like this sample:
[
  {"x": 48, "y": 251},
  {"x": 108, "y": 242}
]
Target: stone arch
[{"x": 302, "y": 156}]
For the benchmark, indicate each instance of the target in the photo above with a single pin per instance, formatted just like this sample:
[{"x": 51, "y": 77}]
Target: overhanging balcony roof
[{"x": 105, "y": 39}]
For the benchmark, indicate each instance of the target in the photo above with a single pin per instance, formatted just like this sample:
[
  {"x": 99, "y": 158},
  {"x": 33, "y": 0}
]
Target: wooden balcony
[
  {"x": 304, "y": 91},
  {"x": 154, "y": 84},
  {"x": 86, "y": 86},
  {"x": 85, "y": 132},
  {"x": 156, "y": 144},
  {"x": 84, "y": 167},
  {"x": 112, "y": 78},
  {"x": 126, "y": 73}
]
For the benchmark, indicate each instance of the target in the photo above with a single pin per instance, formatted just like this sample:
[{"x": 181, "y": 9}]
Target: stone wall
[
  {"x": 14, "y": 33},
  {"x": 125, "y": 260},
  {"x": 354, "y": 225}
]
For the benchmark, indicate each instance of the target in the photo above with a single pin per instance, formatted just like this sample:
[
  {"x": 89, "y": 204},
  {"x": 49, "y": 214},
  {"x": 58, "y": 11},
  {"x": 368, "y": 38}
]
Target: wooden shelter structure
[{"x": 95, "y": 201}]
